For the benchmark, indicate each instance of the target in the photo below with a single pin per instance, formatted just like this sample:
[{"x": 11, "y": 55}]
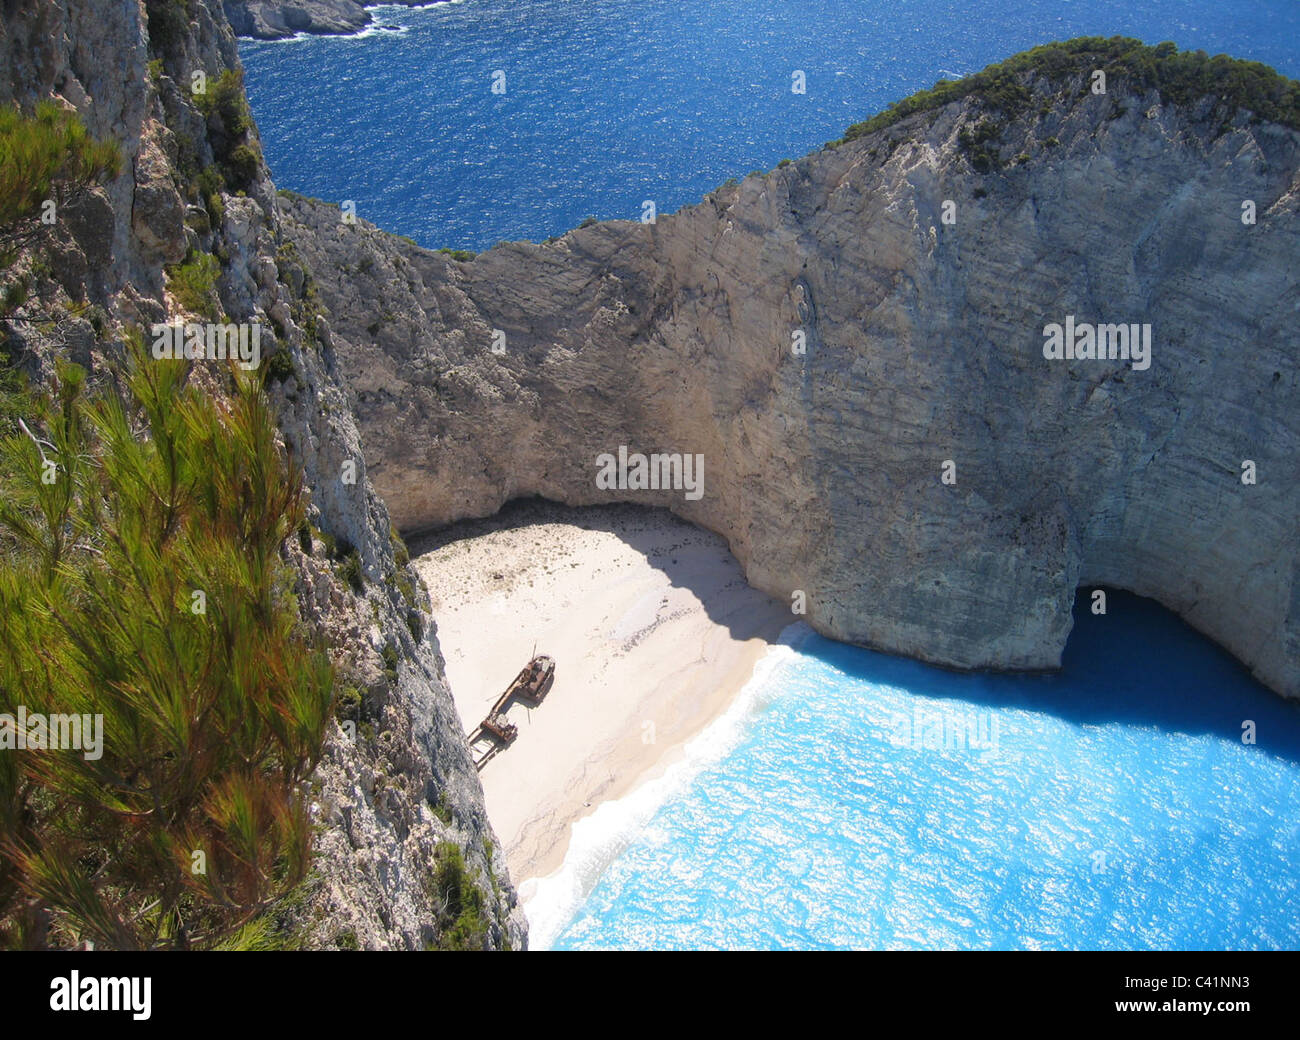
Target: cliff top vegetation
[{"x": 1181, "y": 77}]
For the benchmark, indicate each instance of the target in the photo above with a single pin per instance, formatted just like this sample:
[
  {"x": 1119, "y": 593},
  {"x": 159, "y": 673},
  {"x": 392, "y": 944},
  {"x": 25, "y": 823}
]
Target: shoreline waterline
[
  {"x": 874, "y": 802},
  {"x": 654, "y": 632},
  {"x": 596, "y": 840}
]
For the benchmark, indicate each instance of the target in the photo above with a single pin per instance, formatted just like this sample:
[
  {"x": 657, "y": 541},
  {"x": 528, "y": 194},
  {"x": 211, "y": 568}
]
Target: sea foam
[{"x": 597, "y": 840}]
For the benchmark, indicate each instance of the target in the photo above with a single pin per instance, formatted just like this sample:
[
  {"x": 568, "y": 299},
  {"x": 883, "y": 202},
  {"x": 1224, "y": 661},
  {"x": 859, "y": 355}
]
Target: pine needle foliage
[
  {"x": 46, "y": 156},
  {"x": 192, "y": 823}
]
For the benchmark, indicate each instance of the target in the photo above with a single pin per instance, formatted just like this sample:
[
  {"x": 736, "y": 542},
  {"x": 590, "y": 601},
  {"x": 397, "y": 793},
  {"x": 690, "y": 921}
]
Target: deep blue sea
[
  {"x": 608, "y": 103},
  {"x": 848, "y": 798}
]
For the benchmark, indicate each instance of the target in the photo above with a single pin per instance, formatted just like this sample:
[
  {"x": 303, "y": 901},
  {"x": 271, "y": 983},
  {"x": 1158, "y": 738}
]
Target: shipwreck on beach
[{"x": 496, "y": 732}]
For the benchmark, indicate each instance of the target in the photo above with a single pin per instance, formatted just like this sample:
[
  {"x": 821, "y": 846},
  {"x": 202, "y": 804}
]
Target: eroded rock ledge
[{"x": 924, "y": 344}]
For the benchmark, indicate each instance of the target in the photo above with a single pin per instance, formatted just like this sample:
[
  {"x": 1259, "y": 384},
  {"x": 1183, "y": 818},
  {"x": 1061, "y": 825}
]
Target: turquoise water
[
  {"x": 612, "y": 102},
  {"x": 869, "y": 801}
]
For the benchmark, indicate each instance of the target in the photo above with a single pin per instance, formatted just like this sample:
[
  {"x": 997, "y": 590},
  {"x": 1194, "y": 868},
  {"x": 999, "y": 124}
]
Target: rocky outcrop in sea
[{"x": 280, "y": 19}]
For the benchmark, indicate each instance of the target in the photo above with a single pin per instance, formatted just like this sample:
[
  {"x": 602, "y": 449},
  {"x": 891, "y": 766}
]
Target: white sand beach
[{"x": 653, "y": 630}]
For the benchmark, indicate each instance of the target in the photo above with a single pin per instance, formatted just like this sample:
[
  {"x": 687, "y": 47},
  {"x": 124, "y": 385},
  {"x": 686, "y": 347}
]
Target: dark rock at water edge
[{"x": 281, "y": 19}]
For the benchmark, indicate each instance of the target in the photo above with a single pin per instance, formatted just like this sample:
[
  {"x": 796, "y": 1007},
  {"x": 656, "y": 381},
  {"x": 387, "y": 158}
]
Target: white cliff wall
[{"x": 924, "y": 344}]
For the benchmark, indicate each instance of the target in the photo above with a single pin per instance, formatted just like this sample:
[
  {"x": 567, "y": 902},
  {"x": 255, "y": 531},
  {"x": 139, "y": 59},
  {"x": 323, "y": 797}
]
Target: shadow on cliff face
[{"x": 1136, "y": 665}]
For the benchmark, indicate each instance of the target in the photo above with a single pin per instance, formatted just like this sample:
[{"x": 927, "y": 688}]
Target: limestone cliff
[
  {"x": 924, "y": 346},
  {"x": 385, "y": 802}
]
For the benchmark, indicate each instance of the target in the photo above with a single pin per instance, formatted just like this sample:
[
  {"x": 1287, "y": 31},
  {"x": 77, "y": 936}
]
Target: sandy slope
[{"x": 653, "y": 630}]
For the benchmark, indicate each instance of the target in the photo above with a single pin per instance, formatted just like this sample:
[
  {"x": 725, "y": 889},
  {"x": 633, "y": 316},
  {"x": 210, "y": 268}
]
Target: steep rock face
[
  {"x": 94, "y": 58},
  {"x": 385, "y": 801},
  {"x": 924, "y": 344}
]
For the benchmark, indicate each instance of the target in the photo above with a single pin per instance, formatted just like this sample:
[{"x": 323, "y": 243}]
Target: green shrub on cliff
[
  {"x": 49, "y": 155},
  {"x": 46, "y": 158},
  {"x": 225, "y": 97},
  {"x": 194, "y": 282},
  {"x": 975, "y": 142},
  {"x": 1180, "y": 77},
  {"x": 458, "y": 902},
  {"x": 230, "y": 132},
  {"x": 141, "y": 581}
]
